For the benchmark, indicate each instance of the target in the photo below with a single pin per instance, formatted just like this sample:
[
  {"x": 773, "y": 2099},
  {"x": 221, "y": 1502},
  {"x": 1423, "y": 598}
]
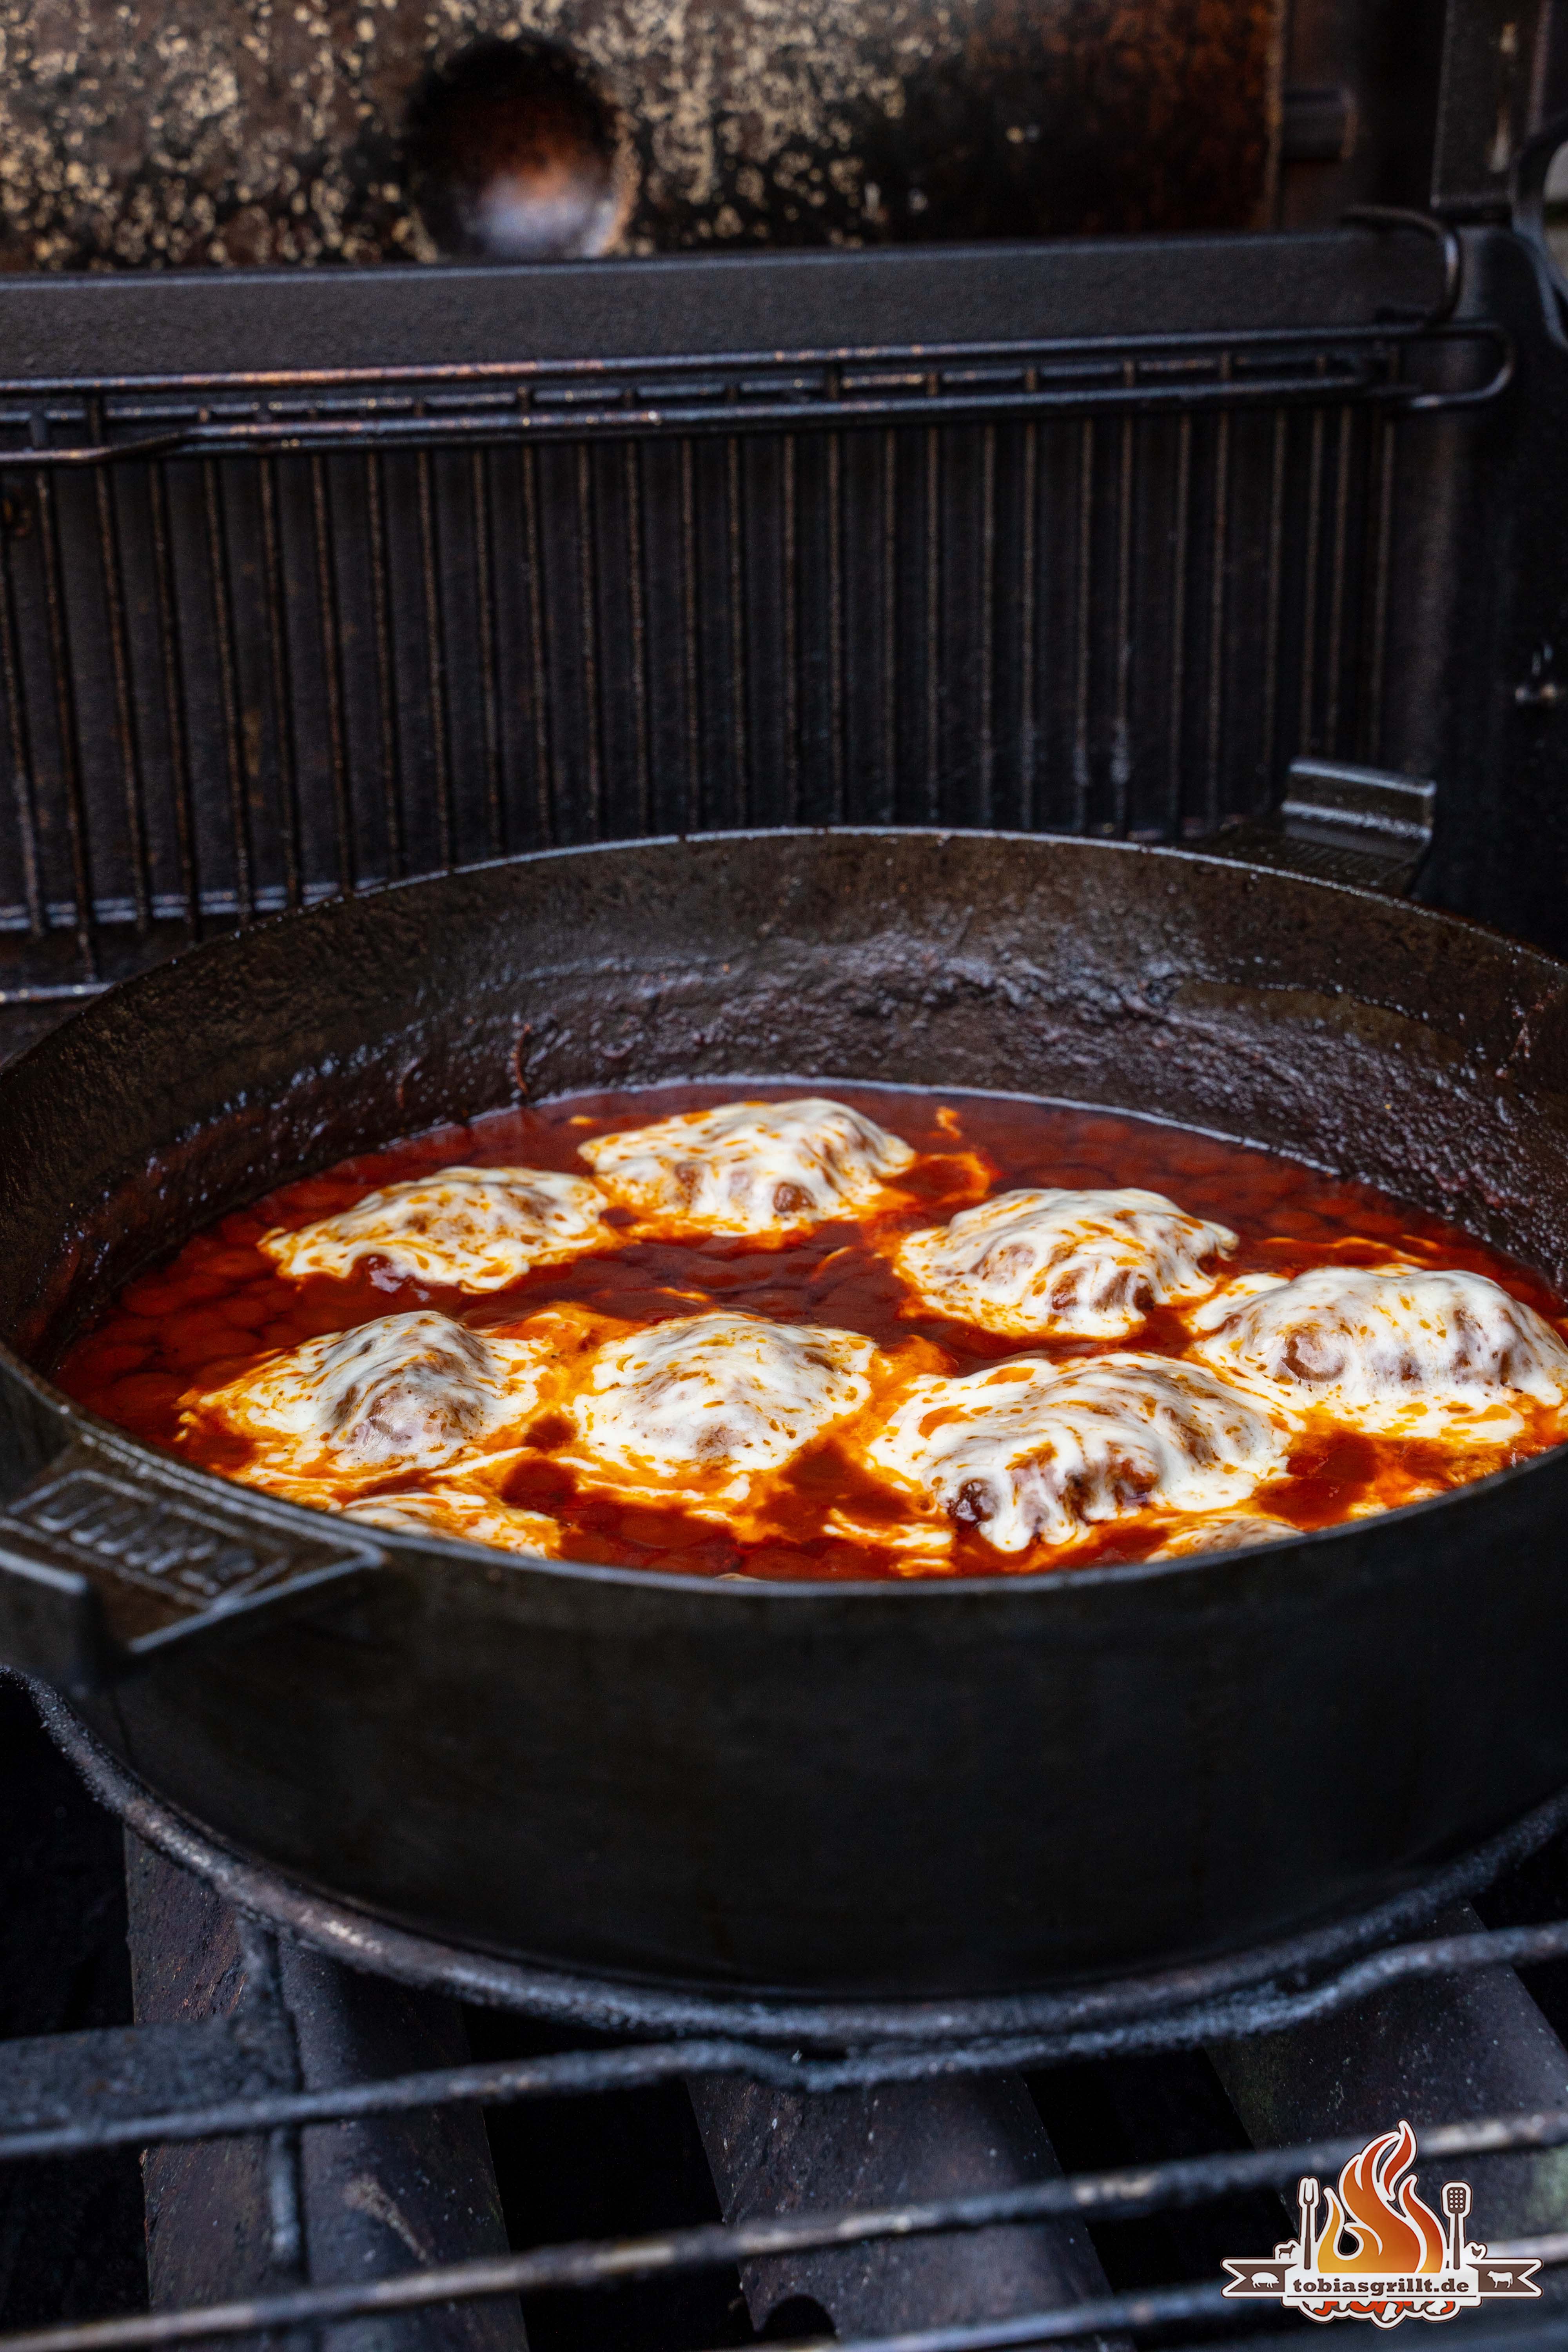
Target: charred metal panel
[
  {"x": 1504, "y": 64},
  {"x": 1360, "y": 107},
  {"x": 145, "y": 132}
]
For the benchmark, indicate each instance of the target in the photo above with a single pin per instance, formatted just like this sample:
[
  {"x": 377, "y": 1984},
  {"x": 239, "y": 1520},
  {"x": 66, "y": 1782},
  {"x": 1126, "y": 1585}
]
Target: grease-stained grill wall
[
  {"x": 266, "y": 637},
  {"x": 242, "y": 132}
]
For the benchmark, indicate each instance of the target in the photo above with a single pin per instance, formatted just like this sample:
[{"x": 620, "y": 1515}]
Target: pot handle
[{"x": 108, "y": 1559}]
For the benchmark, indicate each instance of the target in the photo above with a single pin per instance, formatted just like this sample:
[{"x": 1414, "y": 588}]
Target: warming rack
[
  {"x": 73, "y": 422},
  {"x": 270, "y": 637}
]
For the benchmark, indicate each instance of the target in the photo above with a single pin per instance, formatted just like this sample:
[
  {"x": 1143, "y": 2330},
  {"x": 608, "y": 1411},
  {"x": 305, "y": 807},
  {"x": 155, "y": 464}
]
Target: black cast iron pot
[{"x": 877, "y": 1790}]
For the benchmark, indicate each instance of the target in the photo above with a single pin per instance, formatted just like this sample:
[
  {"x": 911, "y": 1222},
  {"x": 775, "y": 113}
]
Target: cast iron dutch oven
[{"x": 882, "y": 1789}]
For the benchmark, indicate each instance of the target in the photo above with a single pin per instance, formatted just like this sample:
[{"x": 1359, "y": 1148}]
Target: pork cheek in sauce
[{"x": 209, "y": 1313}]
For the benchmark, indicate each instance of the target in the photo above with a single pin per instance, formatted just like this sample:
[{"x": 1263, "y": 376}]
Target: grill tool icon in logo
[{"x": 1380, "y": 2252}]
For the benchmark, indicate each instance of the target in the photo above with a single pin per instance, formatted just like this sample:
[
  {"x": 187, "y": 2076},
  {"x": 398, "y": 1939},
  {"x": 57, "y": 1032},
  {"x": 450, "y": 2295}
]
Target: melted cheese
[
  {"x": 1399, "y": 1351},
  {"x": 702, "y": 1411},
  {"x": 749, "y": 1167},
  {"x": 709, "y": 1414},
  {"x": 1030, "y": 1452},
  {"x": 1224, "y": 1532},
  {"x": 463, "y": 1513},
  {"x": 1059, "y": 1264},
  {"x": 469, "y": 1228},
  {"x": 406, "y": 1392}
]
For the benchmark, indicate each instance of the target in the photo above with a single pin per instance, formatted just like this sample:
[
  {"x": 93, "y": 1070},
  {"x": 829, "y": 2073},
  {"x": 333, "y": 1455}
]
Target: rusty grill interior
[
  {"x": 309, "y": 583},
  {"x": 271, "y": 637}
]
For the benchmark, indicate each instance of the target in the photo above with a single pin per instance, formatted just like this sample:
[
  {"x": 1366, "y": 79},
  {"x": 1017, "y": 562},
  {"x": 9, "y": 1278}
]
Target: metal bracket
[
  {"x": 1360, "y": 826},
  {"x": 1451, "y": 253}
]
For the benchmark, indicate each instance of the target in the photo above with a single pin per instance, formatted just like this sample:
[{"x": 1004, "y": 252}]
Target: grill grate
[
  {"x": 1149, "y": 2188},
  {"x": 268, "y": 639},
  {"x": 74, "y": 2094}
]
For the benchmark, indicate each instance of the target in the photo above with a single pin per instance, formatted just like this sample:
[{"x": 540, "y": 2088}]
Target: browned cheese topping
[{"x": 776, "y": 1339}]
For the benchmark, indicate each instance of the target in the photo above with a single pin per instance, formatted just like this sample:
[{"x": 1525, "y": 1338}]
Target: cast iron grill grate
[{"x": 75, "y": 2095}]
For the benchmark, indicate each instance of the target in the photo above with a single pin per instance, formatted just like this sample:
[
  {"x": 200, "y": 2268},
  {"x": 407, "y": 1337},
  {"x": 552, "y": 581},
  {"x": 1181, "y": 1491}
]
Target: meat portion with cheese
[
  {"x": 405, "y": 1392},
  {"x": 1397, "y": 1351},
  {"x": 1062, "y": 1265},
  {"x": 1226, "y": 1531},
  {"x": 468, "y": 1228},
  {"x": 1030, "y": 1452},
  {"x": 704, "y": 1411},
  {"x": 749, "y": 1167},
  {"x": 459, "y": 1512}
]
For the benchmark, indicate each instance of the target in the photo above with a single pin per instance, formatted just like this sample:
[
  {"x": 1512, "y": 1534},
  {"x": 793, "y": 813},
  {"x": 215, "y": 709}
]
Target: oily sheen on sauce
[{"x": 220, "y": 1306}]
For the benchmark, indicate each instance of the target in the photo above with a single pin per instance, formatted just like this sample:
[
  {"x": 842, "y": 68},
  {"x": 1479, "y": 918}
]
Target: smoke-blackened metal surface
[{"x": 144, "y": 132}]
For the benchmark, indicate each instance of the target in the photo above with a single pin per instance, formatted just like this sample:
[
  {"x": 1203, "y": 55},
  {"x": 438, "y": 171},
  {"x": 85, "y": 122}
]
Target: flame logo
[{"x": 1394, "y": 2231}]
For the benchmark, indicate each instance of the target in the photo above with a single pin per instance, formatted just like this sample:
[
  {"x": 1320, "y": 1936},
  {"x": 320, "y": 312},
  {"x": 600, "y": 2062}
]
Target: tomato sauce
[{"x": 209, "y": 1313}]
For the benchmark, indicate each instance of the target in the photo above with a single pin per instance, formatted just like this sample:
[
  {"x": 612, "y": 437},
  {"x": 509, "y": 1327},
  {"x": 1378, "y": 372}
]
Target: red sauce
[{"x": 210, "y": 1312}]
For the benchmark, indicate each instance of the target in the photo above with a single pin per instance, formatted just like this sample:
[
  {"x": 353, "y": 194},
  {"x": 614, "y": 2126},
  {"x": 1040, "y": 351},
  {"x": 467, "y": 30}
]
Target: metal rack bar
[
  {"x": 1272, "y": 644},
  {"x": 281, "y": 671},
  {"x": 1219, "y": 558},
  {"x": 1382, "y": 539},
  {"x": 1121, "y": 651},
  {"x": 1028, "y": 665},
  {"x": 1311, "y": 560},
  {"x": 385, "y": 664},
  {"x": 691, "y": 663},
  {"x": 986, "y": 746},
  {"x": 24, "y": 785},
  {"x": 133, "y": 787},
  {"x": 637, "y": 592},
  {"x": 538, "y": 657},
  {"x": 1120, "y": 2195},
  {"x": 735, "y": 564},
  {"x": 331, "y": 623},
  {"x": 172, "y": 668},
  {"x": 66, "y": 720},
  {"x": 760, "y": 373},
  {"x": 523, "y": 2273},
  {"x": 593, "y": 801},
  {"x": 1084, "y": 605},
  {"x": 1318, "y": 369},
  {"x": 837, "y": 702},
  {"x": 791, "y": 627},
  {"x": 435, "y": 662},
  {"x": 485, "y": 596},
  {"x": 1180, "y": 562},
  {"x": 222, "y": 600},
  {"x": 1337, "y": 585}
]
